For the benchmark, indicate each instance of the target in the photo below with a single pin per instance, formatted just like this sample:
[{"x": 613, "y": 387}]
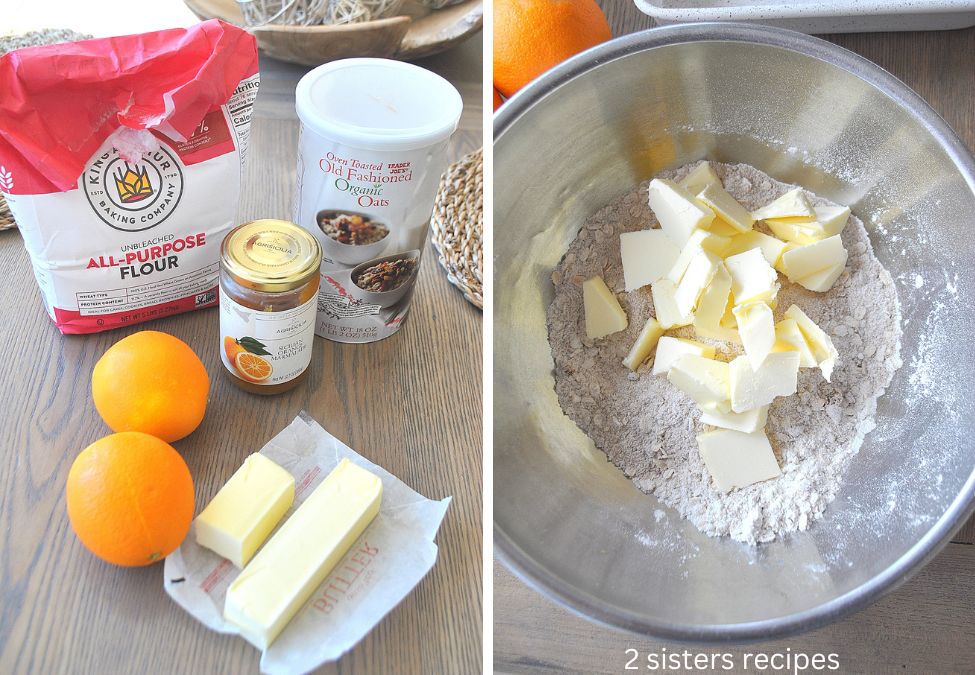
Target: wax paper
[{"x": 382, "y": 567}]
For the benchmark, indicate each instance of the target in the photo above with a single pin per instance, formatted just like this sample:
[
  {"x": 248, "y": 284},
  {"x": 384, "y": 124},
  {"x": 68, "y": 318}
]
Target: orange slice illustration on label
[{"x": 252, "y": 367}]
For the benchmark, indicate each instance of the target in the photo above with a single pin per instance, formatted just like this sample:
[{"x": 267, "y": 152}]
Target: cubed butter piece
[
  {"x": 704, "y": 380},
  {"x": 677, "y": 211},
  {"x": 753, "y": 388},
  {"x": 820, "y": 343},
  {"x": 804, "y": 261},
  {"x": 788, "y": 338},
  {"x": 770, "y": 247},
  {"x": 604, "y": 315},
  {"x": 669, "y": 349},
  {"x": 752, "y": 278},
  {"x": 647, "y": 255},
  {"x": 242, "y": 514},
  {"x": 721, "y": 228},
  {"x": 822, "y": 281},
  {"x": 699, "y": 178},
  {"x": 747, "y": 422},
  {"x": 832, "y": 219},
  {"x": 726, "y": 207},
  {"x": 665, "y": 307},
  {"x": 285, "y": 573},
  {"x": 700, "y": 240},
  {"x": 757, "y": 329},
  {"x": 736, "y": 460},
  {"x": 699, "y": 273},
  {"x": 645, "y": 342},
  {"x": 711, "y": 307},
  {"x": 796, "y": 233},
  {"x": 793, "y": 204}
]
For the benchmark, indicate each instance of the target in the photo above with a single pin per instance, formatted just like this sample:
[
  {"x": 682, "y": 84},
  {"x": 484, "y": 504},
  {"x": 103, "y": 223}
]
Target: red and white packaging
[{"x": 121, "y": 160}]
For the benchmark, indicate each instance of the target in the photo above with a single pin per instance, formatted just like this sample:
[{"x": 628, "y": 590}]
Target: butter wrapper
[{"x": 387, "y": 562}]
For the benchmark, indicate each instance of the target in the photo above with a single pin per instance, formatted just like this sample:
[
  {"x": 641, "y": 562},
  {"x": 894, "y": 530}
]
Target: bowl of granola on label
[
  {"x": 352, "y": 238},
  {"x": 385, "y": 281}
]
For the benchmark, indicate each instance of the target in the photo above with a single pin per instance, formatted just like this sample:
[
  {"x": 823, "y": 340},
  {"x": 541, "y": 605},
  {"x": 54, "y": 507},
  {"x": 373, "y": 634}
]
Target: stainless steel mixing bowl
[{"x": 804, "y": 111}]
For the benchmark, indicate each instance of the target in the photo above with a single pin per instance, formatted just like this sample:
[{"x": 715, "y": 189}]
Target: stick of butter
[
  {"x": 242, "y": 514},
  {"x": 285, "y": 573},
  {"x": 645, "y": 342},
  {"x": 677, "y": 210},
  {"x": 735, "y": 459},
  {"x": 604, "y": 315}
]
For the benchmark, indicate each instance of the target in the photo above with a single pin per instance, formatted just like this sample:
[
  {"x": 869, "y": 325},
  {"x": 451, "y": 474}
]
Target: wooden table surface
[
  {"x": 411, "y": 403},
  {"x": 926, "y": 626}
]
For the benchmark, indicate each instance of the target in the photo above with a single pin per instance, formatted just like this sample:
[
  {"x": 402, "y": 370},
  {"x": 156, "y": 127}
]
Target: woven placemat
[
  {"x": 6, "y": 218},
  {"x": 458, "y": 216}
]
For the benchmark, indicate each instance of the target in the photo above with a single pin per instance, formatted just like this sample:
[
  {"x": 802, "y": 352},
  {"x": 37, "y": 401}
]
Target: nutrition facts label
[
  {"x": 201, "y": 283},
  {"x": 240, "y": 106}
]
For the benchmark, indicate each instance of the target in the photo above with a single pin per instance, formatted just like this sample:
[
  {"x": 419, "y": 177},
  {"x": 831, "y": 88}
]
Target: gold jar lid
[{"x": 271, "y": 256}]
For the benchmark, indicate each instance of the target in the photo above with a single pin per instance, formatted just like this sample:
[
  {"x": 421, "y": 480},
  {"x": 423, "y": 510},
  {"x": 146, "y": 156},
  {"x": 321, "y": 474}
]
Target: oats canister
[
  {"x": 269, "y": 276},
  {"x": 373, "y": 144}
]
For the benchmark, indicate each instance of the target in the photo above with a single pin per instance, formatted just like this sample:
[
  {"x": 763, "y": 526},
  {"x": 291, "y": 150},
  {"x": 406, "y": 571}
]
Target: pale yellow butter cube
[
  {"x": 700, "y": 271},
  {"x": 645, "y": 342},
  {"x": 793, "y": 204},
  {"x": 604, "y": 316},
  {"x": 665, "y": 307},
  {"x": 807, "y": 260},
  {"x": 788, "y": 338},
  {"x": 669, "y": 349},
  {"x": 711, "y": 308},
  {"x": 647, "y": 255},
  {"x": 747, "y": 422},
  {"x": 770, "y": 247},
  {"x": 832, "y": 218},
  {"x": 757, "y": 329},
  {"x": 292, "y": 565},
  {"x": 726, "y": 207},
  {"x": 752, "y": 278},
  {"x": 753, "y": 388},
  {"x": 820, "y": 343},
  {"x": 700, "y": 240},
  {"x": 242, "y": 514},
  {"x": 705, "y": 380},
  {"x": 820, "y": 282},
  {"x": 699, "y": 178},
  {"x": 737, "y": 460},
  {"x": 677, "y": 211},
  {"x": 797, "y": 233}
]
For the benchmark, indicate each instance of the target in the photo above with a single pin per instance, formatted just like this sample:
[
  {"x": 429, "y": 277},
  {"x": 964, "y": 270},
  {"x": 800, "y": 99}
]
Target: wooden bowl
[{"x": 419, "y": 32}]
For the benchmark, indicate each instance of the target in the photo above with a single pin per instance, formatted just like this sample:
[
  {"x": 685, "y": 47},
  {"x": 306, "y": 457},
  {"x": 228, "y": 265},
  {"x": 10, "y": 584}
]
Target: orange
[
  {"x": 531, "y": 36},
  {"x": 151, "y": 382},
  {"x": 497, "y": 99},
  {"x": 252, "y": 367},
  {"x": 130, "y": 498},
  {"x": 231, "y": 348}
]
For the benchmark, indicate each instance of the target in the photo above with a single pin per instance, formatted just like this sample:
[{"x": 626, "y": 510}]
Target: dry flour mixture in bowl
[{"x": 617, "y": 492}]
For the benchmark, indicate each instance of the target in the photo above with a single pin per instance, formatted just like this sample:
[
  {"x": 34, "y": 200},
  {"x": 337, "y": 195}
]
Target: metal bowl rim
[{"x": 963, "y": 506}]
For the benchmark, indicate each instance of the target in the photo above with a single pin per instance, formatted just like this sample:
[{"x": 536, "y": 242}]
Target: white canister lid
[{"x": 378, "y": 104}]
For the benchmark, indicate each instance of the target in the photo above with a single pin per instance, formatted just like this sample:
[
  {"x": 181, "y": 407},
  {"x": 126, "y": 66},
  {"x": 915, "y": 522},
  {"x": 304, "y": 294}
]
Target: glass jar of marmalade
[{"x": 269, "y": 278}]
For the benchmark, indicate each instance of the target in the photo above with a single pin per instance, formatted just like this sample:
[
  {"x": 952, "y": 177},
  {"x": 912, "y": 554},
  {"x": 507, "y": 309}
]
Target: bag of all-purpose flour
[{"x": 121, "y": 160}]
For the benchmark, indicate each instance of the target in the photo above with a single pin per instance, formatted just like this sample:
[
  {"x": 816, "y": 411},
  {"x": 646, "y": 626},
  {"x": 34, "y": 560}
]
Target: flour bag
[{"x": 121, "y": 160}]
